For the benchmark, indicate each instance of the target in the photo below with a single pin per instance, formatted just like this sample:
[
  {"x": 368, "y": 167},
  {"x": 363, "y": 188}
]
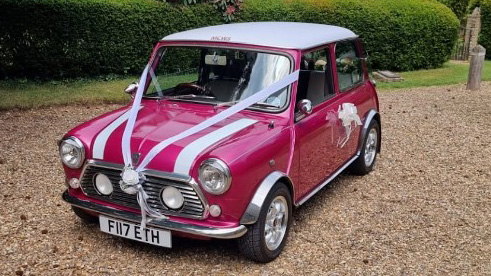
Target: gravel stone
[{"x": 426, "y": 209}]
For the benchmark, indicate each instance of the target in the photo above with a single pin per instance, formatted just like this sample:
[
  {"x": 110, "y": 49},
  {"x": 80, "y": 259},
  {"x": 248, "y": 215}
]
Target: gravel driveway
[{"x": 426, "y": 209}]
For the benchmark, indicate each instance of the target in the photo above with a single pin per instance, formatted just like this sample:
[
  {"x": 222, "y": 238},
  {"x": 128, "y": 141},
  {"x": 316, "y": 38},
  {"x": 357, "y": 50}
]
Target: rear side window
[{"x": 348, "y": 65}]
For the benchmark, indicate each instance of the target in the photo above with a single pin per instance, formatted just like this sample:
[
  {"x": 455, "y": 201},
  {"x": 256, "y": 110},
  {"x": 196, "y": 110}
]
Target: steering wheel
[{"x": 190, "y": 85}]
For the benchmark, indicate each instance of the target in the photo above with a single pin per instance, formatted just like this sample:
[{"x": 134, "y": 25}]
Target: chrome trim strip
[
  {"x": 219, "y": 233},
  {"x": 327, "y": 181},
  {"x": 83, "y": 173},
  {"x": 201, "y": 196},
  {"x": 251, "y": 214},
  {"x": 188, "y": 154}
]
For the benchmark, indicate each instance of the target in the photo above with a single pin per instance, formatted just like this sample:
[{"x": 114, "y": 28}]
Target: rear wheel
[
  {"x": 368, "y": 155},
  {"x": 84, "y": 216},
  {"x": 265, "y": 239}
]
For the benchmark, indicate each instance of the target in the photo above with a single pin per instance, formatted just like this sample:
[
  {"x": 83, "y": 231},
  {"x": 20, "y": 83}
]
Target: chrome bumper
[{"x": 219, "y": 233}]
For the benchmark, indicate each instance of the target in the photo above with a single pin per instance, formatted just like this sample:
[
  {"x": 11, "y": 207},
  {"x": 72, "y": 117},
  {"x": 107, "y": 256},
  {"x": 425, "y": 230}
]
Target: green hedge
[
  {"x": 485, "y": 35},
  {"x": 399, "y": 35},
  {"x": 72, "y": 38},
  {"x": 473, "y": 4},
  {"x": 459, "y": 7}
]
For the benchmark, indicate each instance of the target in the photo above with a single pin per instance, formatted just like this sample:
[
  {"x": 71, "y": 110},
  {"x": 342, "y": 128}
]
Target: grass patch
[
  {"x": 451, "y": 73},
  {"x": 26, "y": 94}
]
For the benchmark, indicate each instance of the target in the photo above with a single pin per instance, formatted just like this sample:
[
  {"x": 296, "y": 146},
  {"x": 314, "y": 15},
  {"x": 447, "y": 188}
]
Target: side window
[
  {"x": 313, "y": 81},
  {"x": 348, "y": 65}
]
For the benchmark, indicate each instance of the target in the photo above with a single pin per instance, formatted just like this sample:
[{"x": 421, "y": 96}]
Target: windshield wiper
[
  {"x": 226, "y": 103},
  {"x": 265, "y": 104},
  {"x": 187, "y": 96},
  {"x": 256, "y": 104}
]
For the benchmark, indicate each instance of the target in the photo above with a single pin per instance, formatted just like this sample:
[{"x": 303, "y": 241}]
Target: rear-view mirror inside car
[{"x": 215, "y": 60}]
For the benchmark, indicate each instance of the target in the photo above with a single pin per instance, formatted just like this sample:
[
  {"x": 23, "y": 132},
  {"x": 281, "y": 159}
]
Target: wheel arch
[
  {"x": 372, "y": 114},
  {"x": 252, "y": 211}
]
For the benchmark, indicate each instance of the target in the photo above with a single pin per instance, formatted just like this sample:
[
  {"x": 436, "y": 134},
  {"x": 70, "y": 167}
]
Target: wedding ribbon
[
  {"x": 130, "y": 124},
  {"x": 145, "y": 208},
  {"x": 126, "y": 141},
  {"x": 348, "y": 113}
]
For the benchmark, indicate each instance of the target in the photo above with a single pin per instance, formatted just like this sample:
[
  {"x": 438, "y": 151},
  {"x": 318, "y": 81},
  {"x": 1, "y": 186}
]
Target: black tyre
[
  {"x": 265, "y": 239},
  {"x": 84, "y": 216},
  {"x": 369, "y": 151}
]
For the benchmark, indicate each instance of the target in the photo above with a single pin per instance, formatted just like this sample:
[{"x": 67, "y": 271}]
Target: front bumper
[{"x": 219, "y": 233}]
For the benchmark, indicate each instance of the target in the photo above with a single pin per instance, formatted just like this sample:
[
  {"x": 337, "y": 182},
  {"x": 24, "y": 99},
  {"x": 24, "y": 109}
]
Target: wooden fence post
[{"x": 475, "y": 69}]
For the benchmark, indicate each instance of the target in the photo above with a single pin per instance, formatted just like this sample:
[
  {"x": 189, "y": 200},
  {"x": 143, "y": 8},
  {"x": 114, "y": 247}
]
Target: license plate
[{"x": 133, "y": 232}]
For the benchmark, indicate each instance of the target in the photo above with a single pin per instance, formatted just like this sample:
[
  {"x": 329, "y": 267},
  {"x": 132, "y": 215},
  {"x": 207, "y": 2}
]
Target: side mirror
[
  {"x": 131, "y": 89},
  {"x": 305, "y": 106}
]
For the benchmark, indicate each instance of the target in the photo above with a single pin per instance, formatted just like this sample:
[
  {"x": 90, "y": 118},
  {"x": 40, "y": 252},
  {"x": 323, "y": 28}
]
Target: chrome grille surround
[{"x": 195, "y": 204}]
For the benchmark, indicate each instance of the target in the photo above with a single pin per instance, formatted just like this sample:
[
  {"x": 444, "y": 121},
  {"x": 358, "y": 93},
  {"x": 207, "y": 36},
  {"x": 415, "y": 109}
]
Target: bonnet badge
[{"x": 135, "y": 158}]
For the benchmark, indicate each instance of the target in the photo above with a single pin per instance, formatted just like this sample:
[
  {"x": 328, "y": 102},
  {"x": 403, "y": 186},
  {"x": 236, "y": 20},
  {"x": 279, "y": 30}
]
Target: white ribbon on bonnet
[{"x": 134, "y": 177}]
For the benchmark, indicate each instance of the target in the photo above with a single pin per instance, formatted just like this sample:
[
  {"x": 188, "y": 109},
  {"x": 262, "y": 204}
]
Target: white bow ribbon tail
[{"x": 142, "y": 198}]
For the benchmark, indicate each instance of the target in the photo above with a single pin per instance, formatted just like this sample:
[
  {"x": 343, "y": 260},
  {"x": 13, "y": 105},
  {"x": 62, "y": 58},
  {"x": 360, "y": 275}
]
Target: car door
[
  {"x": 353, "y": 102},
  {"x": 316, "y": 155}
]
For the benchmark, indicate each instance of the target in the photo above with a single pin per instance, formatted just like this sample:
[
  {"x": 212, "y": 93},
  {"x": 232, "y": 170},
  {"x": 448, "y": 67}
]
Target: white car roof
[{"x": 288, "y": 35}]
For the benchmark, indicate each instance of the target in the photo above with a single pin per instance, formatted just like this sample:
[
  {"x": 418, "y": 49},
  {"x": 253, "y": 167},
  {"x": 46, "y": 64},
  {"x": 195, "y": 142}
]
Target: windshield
[{"x": 217, "y": 76}]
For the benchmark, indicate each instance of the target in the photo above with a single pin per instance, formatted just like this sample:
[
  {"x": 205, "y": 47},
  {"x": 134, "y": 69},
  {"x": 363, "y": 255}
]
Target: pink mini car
[{"x": 229, "y": 129}]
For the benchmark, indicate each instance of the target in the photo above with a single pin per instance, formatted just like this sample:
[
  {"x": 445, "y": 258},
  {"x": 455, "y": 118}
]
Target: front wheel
[
  {"x": 368, "y": 155},
  {"x": 267, "y": 237}
]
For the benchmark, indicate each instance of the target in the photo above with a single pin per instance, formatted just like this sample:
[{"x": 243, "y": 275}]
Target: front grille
[{"x": 193, "y": 204}]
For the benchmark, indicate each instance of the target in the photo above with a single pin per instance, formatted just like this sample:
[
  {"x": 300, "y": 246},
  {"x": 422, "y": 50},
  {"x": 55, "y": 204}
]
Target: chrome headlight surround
[
  {"x": 214, "y": 176},
  {"x": 74, "y": 147}
]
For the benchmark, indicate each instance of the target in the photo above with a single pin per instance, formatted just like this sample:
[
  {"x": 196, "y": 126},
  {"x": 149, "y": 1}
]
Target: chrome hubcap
[
  {"x": 276, "y": 223},
  {"x": 371, "y": 147}
]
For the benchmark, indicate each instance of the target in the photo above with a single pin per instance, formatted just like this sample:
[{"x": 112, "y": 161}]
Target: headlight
[
  {"x": 214, "y": 176},
  {"x": 72, "y": 152}
]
